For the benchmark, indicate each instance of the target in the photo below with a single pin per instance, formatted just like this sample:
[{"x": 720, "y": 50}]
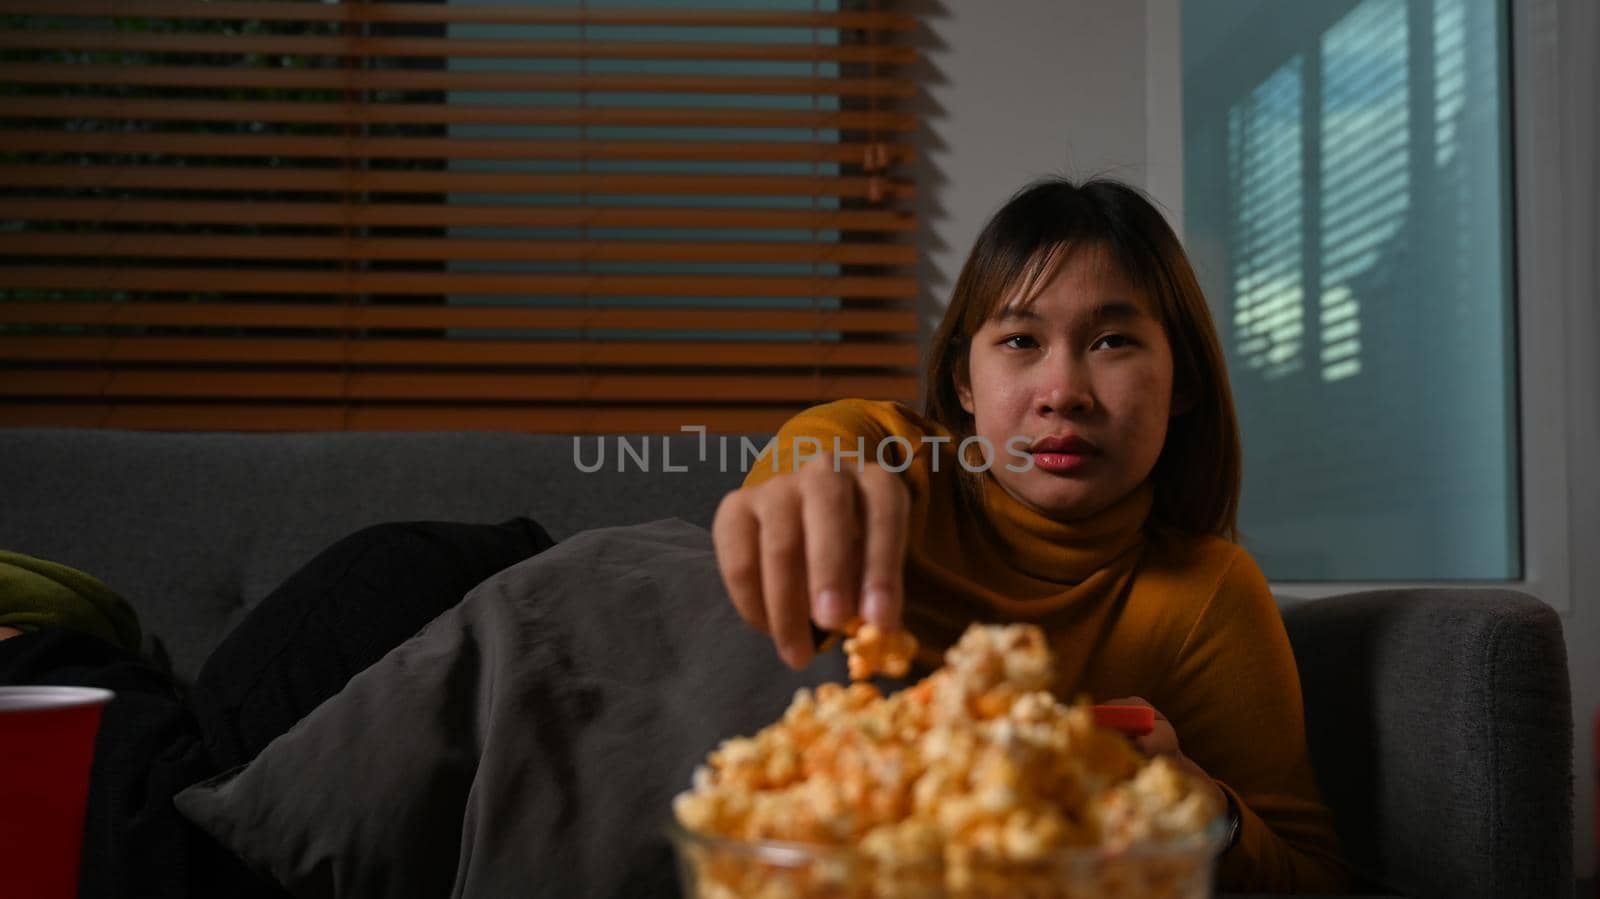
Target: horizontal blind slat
[
  {"x": 331, "y": 316},
  {"x": 474, "y": 352},
  {"x": 393, "y": 113},
  {"x": 234, "y": 280},
  {"x": 350, "y": 79},
  {"x": 355, "y": 148},
  {"x": 447, "y": 386},
  {"x": 412, "y": 12},
  {"x": 454, "y": 47},
  {"x": 442, "y": 215},
  {"x": 596, "y": 420},
  {"x": 255, "y": 246},
  {"x": 327, "y": 180}
]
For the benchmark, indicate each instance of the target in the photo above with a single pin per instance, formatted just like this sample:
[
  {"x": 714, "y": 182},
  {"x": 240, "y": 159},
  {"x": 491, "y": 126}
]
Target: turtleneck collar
[{"x": 1064, "y": 552}]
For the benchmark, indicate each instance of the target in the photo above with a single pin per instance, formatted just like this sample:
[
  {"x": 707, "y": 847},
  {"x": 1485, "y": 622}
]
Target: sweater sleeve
[
  {"x": 842, "y": 427},
  {"x": 1234, "y": 699}
]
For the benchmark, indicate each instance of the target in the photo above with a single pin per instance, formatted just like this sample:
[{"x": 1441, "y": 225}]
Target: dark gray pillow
[{"x": 527, "y": 742}]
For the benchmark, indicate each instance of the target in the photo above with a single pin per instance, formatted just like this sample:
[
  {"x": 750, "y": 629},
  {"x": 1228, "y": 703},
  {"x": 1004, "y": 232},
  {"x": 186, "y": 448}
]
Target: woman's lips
[
  {"x": 1060, "y": 462},
  {"x": 1062, "y": 452}
]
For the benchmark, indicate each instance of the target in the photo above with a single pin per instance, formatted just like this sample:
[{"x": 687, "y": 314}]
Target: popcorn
[
  {"x": 870, "y": 650},
  {"x": 971, "y": 782}
]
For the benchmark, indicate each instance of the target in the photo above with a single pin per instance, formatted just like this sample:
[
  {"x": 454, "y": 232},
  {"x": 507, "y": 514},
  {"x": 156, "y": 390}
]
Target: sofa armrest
[{"x": 1440, "y": 723}]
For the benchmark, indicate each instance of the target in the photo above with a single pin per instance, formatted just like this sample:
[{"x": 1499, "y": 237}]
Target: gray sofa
[{"x": 1440, "y": 720}]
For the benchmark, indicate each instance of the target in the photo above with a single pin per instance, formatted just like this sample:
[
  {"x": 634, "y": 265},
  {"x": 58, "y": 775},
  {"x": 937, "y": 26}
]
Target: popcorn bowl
[{"x": 715, "y": 867}]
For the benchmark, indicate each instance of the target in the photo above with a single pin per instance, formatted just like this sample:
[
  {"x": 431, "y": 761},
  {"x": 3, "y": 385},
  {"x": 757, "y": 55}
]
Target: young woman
[{"x": 1076, "y": 465}]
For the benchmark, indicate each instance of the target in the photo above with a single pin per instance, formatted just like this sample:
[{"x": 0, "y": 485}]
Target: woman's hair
[{"x": 1019, "y": 251}]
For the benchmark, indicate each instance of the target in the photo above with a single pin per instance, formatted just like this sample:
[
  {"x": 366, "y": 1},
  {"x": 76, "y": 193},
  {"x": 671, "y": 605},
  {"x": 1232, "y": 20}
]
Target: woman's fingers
[
  {"x": 783, "y": 574},
  {"x": 736, "y": 534},
  {"x": 885, "y": 517},
  {"x": 819, "y": 545},
  {"x": 828, "y": 514}
]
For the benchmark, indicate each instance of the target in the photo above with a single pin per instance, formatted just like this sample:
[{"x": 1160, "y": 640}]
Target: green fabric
[{"x": 36, "y": 593}]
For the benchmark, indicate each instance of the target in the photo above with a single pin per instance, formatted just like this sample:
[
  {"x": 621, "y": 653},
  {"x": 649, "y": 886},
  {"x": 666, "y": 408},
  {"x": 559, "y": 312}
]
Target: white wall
[
  {"x": 1019, "y": 89},
  {"x": 1023, "y": 88}
]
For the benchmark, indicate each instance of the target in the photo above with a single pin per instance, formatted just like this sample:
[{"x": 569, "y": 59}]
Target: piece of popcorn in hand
[{"x": 871, "y": 650}]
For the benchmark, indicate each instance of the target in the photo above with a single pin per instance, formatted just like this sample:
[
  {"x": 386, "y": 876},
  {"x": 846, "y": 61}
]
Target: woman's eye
[
  {"x": 1019, "y": 342},
  {"x": 1112, "y": 341}
]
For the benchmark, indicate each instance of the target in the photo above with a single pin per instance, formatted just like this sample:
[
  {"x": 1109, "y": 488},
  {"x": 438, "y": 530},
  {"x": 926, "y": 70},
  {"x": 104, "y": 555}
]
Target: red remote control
[{"x": 1133, "y": 720}]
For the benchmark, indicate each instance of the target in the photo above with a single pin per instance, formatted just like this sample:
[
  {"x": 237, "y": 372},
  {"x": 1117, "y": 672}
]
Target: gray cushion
[
  {"x": 526, "y": 743},
  {"x": 195, "y": 529},
  {"x": 1440, "y": 723}
]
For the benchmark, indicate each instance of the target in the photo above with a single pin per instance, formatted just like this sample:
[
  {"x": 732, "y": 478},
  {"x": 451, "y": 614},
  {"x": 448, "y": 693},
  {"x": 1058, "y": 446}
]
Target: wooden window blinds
[{"x": 300, "y": 215}]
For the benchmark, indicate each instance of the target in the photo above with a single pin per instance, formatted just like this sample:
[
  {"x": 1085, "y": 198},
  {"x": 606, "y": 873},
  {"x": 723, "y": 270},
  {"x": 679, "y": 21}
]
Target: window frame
[{"x": 1545, "y": 253}]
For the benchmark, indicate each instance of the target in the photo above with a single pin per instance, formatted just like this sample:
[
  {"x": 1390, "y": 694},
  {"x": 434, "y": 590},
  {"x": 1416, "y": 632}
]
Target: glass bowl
[{"x": 714, "y": 867}]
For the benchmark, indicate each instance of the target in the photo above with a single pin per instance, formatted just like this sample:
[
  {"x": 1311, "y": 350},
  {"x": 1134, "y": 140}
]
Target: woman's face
[{"x": 1082, "y": 374}]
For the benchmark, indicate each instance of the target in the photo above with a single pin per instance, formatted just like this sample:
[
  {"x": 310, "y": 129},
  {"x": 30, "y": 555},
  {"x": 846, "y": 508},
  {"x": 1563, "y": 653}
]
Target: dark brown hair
[{"x": 1197, "y": 474}]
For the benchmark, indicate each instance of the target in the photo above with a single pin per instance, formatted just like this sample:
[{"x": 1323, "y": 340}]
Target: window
[
  {"x": 573, "y": 216},
  {"x": 1348, "y": 204}
]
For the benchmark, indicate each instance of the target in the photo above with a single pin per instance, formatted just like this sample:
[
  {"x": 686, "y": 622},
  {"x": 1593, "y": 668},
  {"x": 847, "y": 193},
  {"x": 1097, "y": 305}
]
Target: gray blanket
[{"x": 527, "y": 743}]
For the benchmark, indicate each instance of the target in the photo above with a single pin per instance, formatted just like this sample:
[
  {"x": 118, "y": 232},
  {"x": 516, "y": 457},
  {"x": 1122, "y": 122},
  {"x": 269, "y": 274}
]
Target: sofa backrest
[
  {"x": 194, "y": 529},
  {"x": 1440, "y": 724},
  {"x": 1440, "y": 720}
]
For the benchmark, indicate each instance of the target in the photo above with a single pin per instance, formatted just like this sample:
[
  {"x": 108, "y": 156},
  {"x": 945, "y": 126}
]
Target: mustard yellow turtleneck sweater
[{"x": 1188, "y": 623}]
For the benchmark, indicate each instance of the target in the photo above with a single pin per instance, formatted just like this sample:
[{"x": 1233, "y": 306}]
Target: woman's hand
[
  {"x": 816, "y": 544},
  {"x": 7, "y": 632},
  {"x": 1163, "y": 740}
]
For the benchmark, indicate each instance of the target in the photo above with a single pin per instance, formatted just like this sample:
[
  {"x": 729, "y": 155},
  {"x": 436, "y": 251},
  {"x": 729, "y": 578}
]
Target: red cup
[{"x": 46, "y": 745}]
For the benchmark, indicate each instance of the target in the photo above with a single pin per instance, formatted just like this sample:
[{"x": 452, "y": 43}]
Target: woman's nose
[{"x": 1067, "y": 390}]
